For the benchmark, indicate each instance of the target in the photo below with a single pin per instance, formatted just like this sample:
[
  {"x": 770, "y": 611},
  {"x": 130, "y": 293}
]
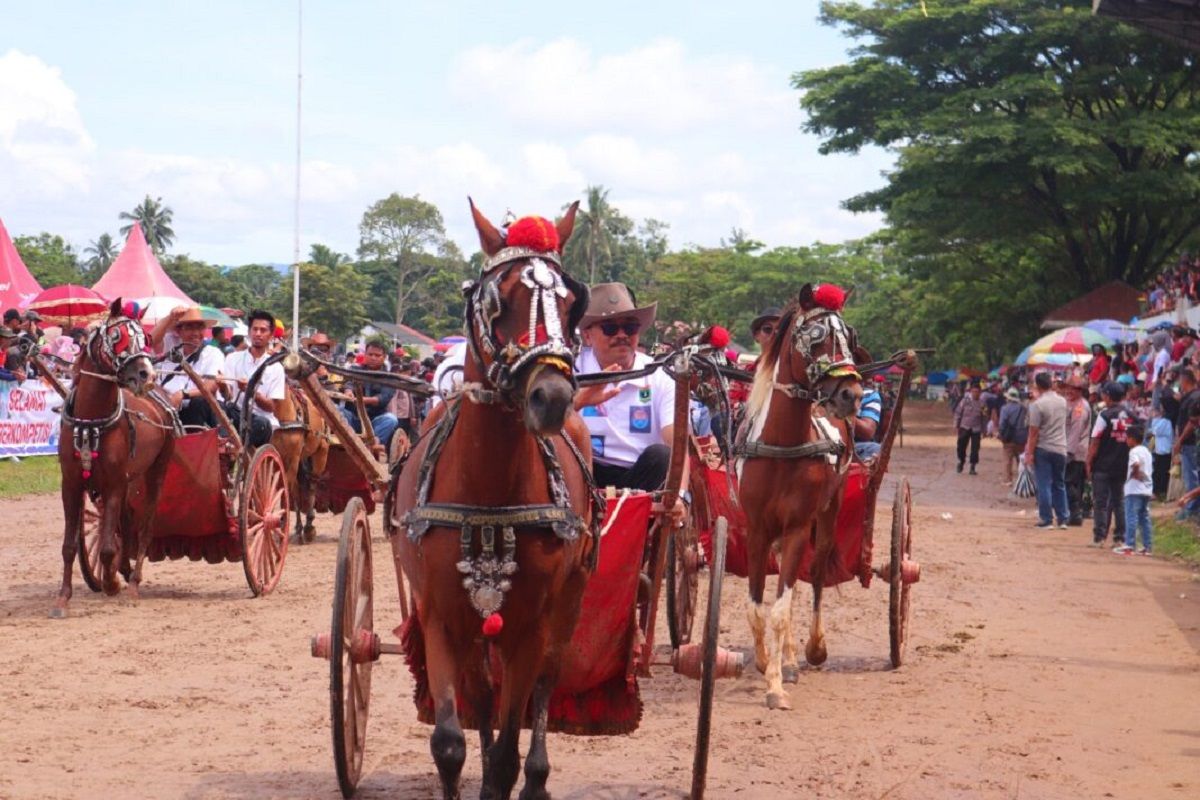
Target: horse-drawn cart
[
  {"x": 613, "y": 644},
  {"x": 855, "y": 529}
]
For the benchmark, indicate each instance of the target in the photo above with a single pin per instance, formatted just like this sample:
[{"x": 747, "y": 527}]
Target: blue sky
[{"x": 682, "y": 110}]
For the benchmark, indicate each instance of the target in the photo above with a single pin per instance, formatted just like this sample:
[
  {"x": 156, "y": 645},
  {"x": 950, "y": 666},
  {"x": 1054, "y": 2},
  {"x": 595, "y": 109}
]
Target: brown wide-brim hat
[
  {"x": 766, "y": 316},
  {"x": 615, "y": 301},
  {"x": 194, "y": 314},
  {"x": 318, "y": 339}
]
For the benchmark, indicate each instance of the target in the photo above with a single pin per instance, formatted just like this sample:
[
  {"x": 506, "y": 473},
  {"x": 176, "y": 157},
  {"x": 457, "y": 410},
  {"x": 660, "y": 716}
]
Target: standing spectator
[
  {"x": 1014, "y": 432},
  {"x": 1162, "y": 432},
  {"x": 1137, "y": 495},
  {"x": 1079, "y": 434},
  {"x": 1162, "y": 359},
  {"x": 1185, "y": 439},
  {"x": 1097, "y": 368},
  {"x": 969, "y": 419},
  {"x": 993, "y": 401},
  {"x": 1108, "y": 461},
  {"x": 1047, "y": 451}
]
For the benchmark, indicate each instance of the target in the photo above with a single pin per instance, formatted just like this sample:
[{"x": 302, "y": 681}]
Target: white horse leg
[
  {"x": 780, "y": 622},
  {"x": 791, "y": 651}
]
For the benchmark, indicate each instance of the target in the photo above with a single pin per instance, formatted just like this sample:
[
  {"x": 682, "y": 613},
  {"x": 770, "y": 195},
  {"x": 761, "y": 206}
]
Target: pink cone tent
[
  {"x": 17, "y": 286},
  {"x": 137, "y": 273}
]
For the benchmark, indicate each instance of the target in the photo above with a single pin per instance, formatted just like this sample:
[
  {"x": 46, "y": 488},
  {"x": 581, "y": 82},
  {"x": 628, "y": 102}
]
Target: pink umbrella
[{"x": 69, "y": 306}]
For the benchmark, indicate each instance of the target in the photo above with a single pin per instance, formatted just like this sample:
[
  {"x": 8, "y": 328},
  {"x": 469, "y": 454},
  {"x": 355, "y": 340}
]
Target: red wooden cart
[
  {"x": 218, "y": 502},
  {"x": 612, "y": 647},
  {"x": 712, "y": 486}
]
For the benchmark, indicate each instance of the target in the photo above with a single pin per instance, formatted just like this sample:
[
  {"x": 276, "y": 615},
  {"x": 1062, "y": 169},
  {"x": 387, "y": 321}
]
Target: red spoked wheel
[
  {"x": 353, "y": 646},
  {"x": 902, "y": 571},
  {"x": 709, "y": 667},
  {"x": 263, "y": 520},
  {"x": 89, "y": 543}
]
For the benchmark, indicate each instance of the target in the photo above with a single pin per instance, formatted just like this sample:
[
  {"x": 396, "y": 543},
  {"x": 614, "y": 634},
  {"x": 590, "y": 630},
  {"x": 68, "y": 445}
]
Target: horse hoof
[
  {"x": 816, "y": 655},
  {"x": 791, "y": 675},
  {"x": 58, "y": 613},
  {"x": 310, "y": 533},
  {"x": 777, "y": 701}
]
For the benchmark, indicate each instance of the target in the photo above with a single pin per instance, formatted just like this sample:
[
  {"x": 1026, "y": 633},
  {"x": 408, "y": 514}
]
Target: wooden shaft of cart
[
  {"x": 894, "y": 424},
  {"x": 47, "y": 375},
  {"x": 217, "y": 409},
  {"x": 364, "y": 419},
  {"x": 375, "y": 473}
]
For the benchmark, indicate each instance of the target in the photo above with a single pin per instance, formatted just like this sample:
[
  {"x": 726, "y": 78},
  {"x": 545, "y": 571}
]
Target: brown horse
[
  {"x": 302, "y": 434},
  {"x": 793, "y": 476},
  {"x": 114, "y": 442},
  {"x": 494, "y": 510}
]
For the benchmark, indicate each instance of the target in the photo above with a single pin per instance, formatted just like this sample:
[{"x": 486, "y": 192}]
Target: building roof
[
  {"x": 137, "y": 274},
  {"x": 402, "y": 334},
  {"x": 1177, "y": 20},
  {"x": 1115, "y": 300},
  {"x": 17, "y": 285}
]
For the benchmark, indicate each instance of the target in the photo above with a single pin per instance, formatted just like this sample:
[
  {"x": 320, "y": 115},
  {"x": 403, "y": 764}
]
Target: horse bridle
[
  {"x": 116, "y": 342},
  {"x": 810, "y": 329},
  {"x": 549, "y": 338}
]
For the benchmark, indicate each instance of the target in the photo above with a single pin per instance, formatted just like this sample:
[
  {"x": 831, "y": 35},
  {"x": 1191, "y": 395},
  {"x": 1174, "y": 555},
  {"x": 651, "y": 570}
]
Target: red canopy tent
[
  {"x": 17, "y": 286},
  {"x": 136, "y": 273}
]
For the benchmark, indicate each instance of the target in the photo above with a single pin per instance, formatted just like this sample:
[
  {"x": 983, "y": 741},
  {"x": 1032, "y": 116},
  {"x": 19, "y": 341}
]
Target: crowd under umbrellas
[{"x": 1098, "y": 423}]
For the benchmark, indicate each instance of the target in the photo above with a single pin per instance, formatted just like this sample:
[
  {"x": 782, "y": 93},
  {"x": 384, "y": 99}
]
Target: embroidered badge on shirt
[
  {"x": 644, "y": 394},
  {"x": 639, "y": 419},
  {"x": 598, "y": 446}
]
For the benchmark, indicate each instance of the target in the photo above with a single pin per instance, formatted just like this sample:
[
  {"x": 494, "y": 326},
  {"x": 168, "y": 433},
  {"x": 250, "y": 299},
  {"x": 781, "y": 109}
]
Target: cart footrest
[{"x": 688, "y": 661}]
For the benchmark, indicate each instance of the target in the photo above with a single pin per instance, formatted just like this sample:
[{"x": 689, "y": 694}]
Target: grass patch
[
  {"x": 1175, "y": 539},
  {"x": 33, "y": 475}
]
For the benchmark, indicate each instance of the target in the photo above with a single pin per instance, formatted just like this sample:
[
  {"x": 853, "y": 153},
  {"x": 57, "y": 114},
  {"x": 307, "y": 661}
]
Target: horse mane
[{"x": 764, "y": 373}]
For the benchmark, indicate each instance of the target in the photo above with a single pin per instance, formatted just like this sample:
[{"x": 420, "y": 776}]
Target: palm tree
[
  {"x": 101, "y": 254},
  {"x": 592, "y": 244},
  {"x": 155, "y": 219}
]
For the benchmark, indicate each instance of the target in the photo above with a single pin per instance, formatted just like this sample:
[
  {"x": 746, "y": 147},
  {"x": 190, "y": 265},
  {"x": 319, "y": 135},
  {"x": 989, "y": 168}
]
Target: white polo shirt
[
  {"x": 241, "y": 364},
  {"x": 625, "y": 425},
  {"x": 208, "y": 360}
]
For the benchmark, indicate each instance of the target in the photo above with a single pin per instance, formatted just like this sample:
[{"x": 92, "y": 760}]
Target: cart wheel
[
  {"x": 353, "y": 621},
  {"x": 683, "y": 583},
  {"x": 898, "y": 589},
  {"x": 89, "y": 543},
  {"x": 263, "y": 520},
  {"x": 708, "y": 675}
]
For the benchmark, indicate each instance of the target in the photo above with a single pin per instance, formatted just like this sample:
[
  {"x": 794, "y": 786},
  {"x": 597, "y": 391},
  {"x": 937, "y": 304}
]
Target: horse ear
[
  {"x": 805, "y": 298},
  {"x": 849, "y": 292},
  {"x": 579, "y": 307},
  {"x": 566, "y": 225},
  {"x": 490, "y": 239},
  {"x": 114, "y": 310}
]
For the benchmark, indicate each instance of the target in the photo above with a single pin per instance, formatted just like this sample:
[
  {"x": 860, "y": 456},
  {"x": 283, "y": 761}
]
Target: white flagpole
[{"x": 296, "y": 209}]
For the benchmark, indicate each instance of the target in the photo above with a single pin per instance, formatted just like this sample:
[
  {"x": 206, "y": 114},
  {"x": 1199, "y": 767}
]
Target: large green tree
[
  {"x": 400, "y": 232},
  {"x": 1036, "y": 144},
  {"x": 155, "y": 219},
  {"x": 100, "y": 253},
  {"x": 206, "y": 283},
  {"x": 256, "y": 280},
  {"x": 332, "y": 299},
  {"x": 49, "y": 259}
]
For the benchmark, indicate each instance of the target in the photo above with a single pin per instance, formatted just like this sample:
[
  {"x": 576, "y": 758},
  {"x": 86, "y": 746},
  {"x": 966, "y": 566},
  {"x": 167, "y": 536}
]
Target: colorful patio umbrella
[
  {"x": 1070, "y": 340},
  {"x": 70, "y": 306},
  {"x": 446, "y": 342},
  {"x": 1117, "y": 331},
  {"x": 223, "y": 319},
  {"x": 1057, "y": 359},
  {"x": 1023, "y": 357},
  {"x": 155, "y": 308}
]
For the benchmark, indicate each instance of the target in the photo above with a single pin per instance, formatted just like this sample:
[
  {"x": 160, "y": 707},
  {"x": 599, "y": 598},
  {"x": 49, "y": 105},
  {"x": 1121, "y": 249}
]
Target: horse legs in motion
[{"x": 303, "y": 447}]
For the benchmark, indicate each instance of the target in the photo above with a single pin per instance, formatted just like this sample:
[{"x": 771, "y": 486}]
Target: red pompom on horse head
[
  {"x": 536, "y": 233},
  {"x": 493, "y": 625},
  {"x": 830, "y": 296},
  {"x": 716, "y": 336}
]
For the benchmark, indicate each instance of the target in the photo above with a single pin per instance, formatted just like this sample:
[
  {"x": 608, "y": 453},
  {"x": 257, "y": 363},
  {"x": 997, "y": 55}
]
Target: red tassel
[
  {"x": 493, "y": 625},
  {"x": 87, "y": 473},
  {"x": 95, "y": 454},
  {"x": 77, "y": 454},
  {"x": 830, "y": 296},
  {"x": 717, "y": 336},
  {"x": 536, "y": 233}
]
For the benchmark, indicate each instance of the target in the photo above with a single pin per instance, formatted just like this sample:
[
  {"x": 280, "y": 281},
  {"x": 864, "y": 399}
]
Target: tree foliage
[
  {"x": 49, "y": 258},
  {"x": 100, "y": 253},
  {"x": 401, "y": 231},
  {"x": 332, "y": 299},
  {"x": 155, "y": 219}
]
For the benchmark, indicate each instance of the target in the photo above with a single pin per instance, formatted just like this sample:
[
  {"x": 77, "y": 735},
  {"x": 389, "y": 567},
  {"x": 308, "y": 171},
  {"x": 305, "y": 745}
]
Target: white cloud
[
  {"x": 659, "y": 86},
  {"x": 44, "y": 147}
]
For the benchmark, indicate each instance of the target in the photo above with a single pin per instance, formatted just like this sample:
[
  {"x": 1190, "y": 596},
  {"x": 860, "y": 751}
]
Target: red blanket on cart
[
  {"x": 850, "y": 527},
  {"x": 597, "y": 694}
]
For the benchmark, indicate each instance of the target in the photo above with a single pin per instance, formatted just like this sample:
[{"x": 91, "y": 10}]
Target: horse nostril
[{"x": 537, "y": 398}]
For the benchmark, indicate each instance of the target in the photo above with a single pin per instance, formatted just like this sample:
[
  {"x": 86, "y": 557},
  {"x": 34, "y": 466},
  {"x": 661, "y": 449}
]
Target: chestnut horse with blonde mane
[
  {"x": 115, "y": 442},
  {"x": 302, "y": 435},
  {"x": 799, "y": 444},
  {"x": 494, "y": 514}
]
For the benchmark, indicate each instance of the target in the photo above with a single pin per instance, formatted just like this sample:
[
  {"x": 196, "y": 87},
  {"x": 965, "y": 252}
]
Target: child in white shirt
[{"x": 1139, "y": 487}]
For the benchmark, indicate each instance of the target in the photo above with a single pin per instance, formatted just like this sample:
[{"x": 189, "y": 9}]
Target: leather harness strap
[{"x": 809, "y": 450}]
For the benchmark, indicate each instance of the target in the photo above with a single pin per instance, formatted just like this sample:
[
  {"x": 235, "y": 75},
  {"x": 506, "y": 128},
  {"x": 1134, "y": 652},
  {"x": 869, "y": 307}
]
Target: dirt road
[{"x": 1038, "y": 668}]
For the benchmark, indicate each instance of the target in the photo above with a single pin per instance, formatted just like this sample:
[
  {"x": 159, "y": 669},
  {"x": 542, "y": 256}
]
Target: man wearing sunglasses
[{"x": 631, "y": 420}]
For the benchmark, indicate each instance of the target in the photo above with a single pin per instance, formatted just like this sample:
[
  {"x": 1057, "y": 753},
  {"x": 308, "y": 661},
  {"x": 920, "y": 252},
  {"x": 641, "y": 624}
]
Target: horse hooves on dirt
[
  {"x": 816, "y": 655},
  {"x": 778, "y": 702},
  {"x": 791, "y": 675},
  {"x": 309, "y": 534},
  {"x": 58, "y": 613}
]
